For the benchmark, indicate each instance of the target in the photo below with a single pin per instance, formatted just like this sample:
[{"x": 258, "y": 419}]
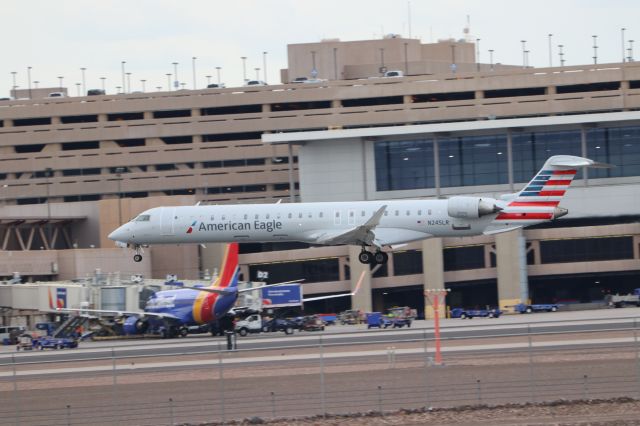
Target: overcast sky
[{"x": 57, "y": 38}]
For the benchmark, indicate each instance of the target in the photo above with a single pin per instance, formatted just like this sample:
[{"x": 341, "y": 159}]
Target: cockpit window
[{"x": 143, "y": 218}]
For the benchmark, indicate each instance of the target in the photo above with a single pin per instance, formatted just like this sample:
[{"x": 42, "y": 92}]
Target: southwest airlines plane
[{"x": 369, "y": 224}]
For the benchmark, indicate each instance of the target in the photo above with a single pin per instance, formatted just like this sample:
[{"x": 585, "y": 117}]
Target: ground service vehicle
[
  {"x": 48, "y": 342},
  {"x": 527, "y": 309},
  {"x": 620, "y": 300},
  {"x": 25, "y": 342},
  {"x": 312, "y": 323},
  {"x": 471, "y": 313}
]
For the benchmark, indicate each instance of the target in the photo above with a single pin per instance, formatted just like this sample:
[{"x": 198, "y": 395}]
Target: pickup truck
[{"x": 471, "y": 313}]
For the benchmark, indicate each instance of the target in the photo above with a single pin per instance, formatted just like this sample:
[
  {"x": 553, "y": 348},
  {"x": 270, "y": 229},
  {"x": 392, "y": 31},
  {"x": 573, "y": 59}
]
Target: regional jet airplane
[
  {"x": 170, "y": 312},
  {"x": 374, "y": 224}
]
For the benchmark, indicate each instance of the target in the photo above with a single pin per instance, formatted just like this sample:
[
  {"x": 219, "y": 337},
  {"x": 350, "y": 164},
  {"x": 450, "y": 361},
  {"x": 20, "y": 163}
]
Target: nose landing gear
[
  {"x": 138, "y": 256},
  {"x": 377, "y": 258}
]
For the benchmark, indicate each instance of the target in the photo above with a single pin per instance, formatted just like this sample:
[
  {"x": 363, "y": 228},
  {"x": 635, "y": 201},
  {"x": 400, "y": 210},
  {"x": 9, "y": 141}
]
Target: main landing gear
[{"x": 377, "y": 258}]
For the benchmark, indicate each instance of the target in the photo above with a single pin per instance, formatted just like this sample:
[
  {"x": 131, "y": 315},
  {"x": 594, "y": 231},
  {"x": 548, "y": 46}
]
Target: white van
[{"x": 6, "y": 331}]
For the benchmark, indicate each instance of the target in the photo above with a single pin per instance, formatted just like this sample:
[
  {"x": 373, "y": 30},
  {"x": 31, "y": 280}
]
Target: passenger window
[
  {"x": 397, "y": 212},
  {"x": 267, "y": 216},
  {"x": 223, "y": 217},
  {"x": 320, "y": 214},
  {"x": 300, "y": 215},
  {"x": 419, "y": 212},
  {"x": 290, "y": 216},
  {"x": 362, "y": 213},
  {"x": 257, "y": 217},
  {"x": 386, "y": 213},
  {"x": 408, "y": 213},
  {"x": 246, "y": 216},
  {"x": 310, "y": 215},
  {"x": 429, "y": 212}
]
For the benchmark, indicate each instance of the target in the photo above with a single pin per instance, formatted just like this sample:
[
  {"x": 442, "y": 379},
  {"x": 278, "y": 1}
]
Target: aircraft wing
[
  {"x": 216, "y": 290},
  {"x": 311, "y": 299},
  {"x": 363, "y": 234},
  {"x": 270, "y": 285},
  {"x": 104, "y": 311}
]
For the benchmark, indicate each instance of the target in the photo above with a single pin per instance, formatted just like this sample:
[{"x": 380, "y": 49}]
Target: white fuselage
[{"x": 403, "y": 221}]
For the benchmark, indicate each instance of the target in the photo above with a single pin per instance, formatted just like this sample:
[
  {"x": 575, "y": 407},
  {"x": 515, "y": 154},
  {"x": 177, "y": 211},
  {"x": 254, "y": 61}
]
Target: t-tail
[
  {"x": 230, "y": 269},
  {"x": 539, "y": 201}
]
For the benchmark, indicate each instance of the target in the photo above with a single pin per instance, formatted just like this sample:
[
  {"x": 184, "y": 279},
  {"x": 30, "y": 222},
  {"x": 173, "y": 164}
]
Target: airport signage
[{"x": 281, "y": 296}]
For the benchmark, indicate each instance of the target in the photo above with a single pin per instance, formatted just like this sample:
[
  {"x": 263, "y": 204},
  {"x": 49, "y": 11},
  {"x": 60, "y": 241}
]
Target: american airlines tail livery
[{"x": 370, "y": 224}]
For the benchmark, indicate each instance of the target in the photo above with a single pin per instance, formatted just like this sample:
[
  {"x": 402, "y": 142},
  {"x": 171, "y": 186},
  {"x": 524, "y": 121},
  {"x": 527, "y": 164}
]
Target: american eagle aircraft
[
  {"x": 170, "y": 312},
  {"x": 369, "y": 224}
]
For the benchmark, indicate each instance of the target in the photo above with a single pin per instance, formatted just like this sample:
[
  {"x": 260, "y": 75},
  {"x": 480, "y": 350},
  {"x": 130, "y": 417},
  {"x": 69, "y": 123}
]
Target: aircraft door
[
  {"x": 336, "y": 217},
  {"x": 167, "y": 221}
]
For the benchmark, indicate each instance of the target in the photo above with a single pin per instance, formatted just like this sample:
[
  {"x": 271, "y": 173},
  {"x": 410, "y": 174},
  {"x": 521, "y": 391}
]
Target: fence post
[
  {"x": 585, "y": 383},
  {"x": 322, "y": 384},
  {"x": 479, "y": 391},
  {"x": 635, "y": 341},
  {"x": 380, "y": 399},
  {"x": 273, "y": 405},
  {"x": 171, "y": 411},
  {"x": 68, "y": 415},
  {"x": 114, "y": 388},
  {"x": 16, "y": 396},
  {"x": 426, "y": 371},
  {"x": 221, "y": 378},
  {"x": 532, "y": 384}
]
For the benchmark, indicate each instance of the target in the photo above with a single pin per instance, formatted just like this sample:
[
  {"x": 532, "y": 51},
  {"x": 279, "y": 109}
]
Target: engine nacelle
[{"x": 471, "y": 207}]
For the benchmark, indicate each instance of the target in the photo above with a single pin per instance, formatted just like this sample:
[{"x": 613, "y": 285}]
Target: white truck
[
  {"x": 620, "y": 300},
  {"x": 254, "y": 324}
]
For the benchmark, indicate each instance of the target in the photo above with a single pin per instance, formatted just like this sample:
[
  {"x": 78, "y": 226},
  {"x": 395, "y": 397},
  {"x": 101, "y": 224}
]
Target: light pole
[
  {"x": 630, "y": 51},
  {"x": 35, "y": 83},
  {"x": 119, "y": 171},
  {"x": 193, "y": 68},
  {"x": 168, "y": 81},
  {"x": 47, "y": 175},
  {"x": 453, "y": 59},
  {"x": 406, "y": 58},
  {"x": 244, "y": 68},
  {"x": 335, "y": 63},
  {"x": 257, "y": 73},
  {"x": 159, "y": 88},
  {"x": 84, "y": 81},
  {"x": 29, "y": 80},
  {"x": 595, "y": 49},
  {"x": 491, "y": 59},
  {"x": 218, "y": 73},
  {"x": 477, "y": 54},
  {"x": 123, "y": 74},
  {"x": 60, "y": 79},
  {"x": 78, "y": 89},
  {"x": 128, "y": 82},
  {"x": 526, "y": 56},
  {"x": 103, "y": 86},
  {"x": 561, "y": 54},
  {"x": 524, "y": 47},
  {"x": 208, "y": 77},
  {"x": 622, "y": 42},
  {"x": 118, "y": 89},
  {"x": 264, "y": 65},
  {"x": 314, "y": 70},
  {"x": 143, "y": 85},
  {"x": 13, "y": 75},
  {"x": 176, "y": 82},
  {"x": 381, "y": 59},
  {"x": 550, "y": 51}
]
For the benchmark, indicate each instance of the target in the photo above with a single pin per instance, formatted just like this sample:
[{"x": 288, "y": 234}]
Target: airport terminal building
[{"x": 73, "y": 168}]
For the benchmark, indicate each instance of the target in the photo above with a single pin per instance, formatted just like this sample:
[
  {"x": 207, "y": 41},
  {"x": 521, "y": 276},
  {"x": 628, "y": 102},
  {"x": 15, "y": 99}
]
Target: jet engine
[
  {"x": 471, "y": 207},
  {"x": 135, "y": 325}
]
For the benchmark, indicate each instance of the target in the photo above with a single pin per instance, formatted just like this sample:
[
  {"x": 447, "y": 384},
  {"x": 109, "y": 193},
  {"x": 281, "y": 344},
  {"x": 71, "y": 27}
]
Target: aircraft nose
[{"x": 119, "y": 234}]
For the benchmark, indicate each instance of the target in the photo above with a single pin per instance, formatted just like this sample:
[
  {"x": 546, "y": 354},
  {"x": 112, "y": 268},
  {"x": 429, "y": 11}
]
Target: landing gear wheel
[
  {"x": 381, "y": 257},
  {"x": 137, "y": 258},
  {"x": 365, "y": 257}
]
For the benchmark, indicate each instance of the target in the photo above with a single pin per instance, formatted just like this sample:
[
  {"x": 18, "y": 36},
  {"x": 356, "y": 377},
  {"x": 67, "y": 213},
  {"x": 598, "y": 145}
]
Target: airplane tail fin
[
  {"x": 539, "y": 200},
  {"x": 230, "y": 270}
]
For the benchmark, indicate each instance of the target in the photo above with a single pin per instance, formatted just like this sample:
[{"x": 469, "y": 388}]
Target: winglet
[{"x": 375, "y": 219}]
